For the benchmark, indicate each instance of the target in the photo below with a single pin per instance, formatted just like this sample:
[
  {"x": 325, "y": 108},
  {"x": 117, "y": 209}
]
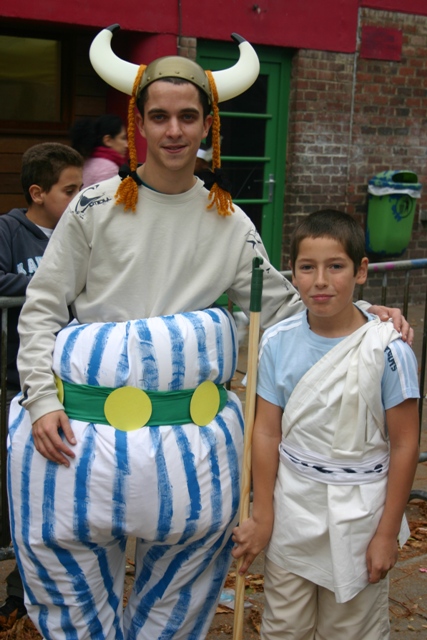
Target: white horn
[
  {"x": 115, "y": 71},
  {"x": 238, "y": 78}
]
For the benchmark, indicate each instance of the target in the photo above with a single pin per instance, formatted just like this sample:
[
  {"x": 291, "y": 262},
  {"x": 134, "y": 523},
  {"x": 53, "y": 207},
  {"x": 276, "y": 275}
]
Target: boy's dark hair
[
  {"x": 88, "y": 133},
  {"x": 204, "y": 100},
  {"x": 331, "y": 224},
  {"x": 43, "y": 164}
]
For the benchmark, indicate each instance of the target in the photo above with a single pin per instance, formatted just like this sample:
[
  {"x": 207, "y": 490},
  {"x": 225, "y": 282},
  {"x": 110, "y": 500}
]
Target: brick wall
[
  {"x": 187, "y": 47},
  {"x": 351, "y": 118}
]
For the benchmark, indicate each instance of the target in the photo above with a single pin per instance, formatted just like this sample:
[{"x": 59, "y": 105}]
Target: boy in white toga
[{"x": 335, "y": 448}]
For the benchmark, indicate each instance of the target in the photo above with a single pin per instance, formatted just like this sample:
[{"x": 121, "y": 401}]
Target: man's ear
[
  {"x": 207, "y": 125},
  {"x": 36, "y": 194},
  {"x": 139, "y": 121}
]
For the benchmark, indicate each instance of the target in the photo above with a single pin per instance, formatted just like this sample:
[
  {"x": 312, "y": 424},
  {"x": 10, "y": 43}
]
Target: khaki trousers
[{"x": 297, "y": 609}]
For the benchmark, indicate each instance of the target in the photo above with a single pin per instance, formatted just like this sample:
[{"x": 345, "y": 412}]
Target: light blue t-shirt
[{"x": 289, "y": 349}]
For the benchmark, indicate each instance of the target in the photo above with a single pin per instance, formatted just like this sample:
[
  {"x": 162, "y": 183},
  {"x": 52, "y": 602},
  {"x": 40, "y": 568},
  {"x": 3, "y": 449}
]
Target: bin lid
[{"x": 388, "y": 182}]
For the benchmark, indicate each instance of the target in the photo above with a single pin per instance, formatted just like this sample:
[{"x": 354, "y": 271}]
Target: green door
[{"x": 253, "y": 138}]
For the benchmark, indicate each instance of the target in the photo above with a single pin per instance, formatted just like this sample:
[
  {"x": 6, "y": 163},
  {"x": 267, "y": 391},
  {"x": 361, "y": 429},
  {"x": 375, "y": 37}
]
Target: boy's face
[
  {"x": 54, "y": 202},
  {"x": 324, "y": 276},
  {"x": 173, "y": 126}
]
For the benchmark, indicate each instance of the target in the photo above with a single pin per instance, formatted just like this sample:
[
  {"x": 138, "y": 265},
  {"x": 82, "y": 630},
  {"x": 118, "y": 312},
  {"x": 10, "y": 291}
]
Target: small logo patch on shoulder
[{"x": 87, "y": 200}]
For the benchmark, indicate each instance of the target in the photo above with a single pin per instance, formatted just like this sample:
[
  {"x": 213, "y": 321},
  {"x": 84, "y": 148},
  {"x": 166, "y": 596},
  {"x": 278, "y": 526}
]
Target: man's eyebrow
[{"x": 157, "y": 110}]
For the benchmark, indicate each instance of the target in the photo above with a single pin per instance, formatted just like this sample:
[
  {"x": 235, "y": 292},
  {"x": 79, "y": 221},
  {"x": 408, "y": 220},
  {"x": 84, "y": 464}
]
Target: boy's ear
[
  {"x": 36, "y": 194},
  {"x": 293, "y": 278},
  {"x": 362, "y": 272}
]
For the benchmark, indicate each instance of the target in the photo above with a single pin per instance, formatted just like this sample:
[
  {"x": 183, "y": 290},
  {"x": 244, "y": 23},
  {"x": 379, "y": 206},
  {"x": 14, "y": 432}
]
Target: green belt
[{"x": 129, "y": 408}]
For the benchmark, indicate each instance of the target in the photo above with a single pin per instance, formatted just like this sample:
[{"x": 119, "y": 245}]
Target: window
[{"x": 31, "y": 82}]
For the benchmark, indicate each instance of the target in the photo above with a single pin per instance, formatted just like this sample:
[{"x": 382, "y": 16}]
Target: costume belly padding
[{"x": 175, "y": 487}]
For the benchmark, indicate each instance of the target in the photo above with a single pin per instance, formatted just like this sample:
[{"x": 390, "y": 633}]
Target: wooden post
[{"x": 254, "y": 327}]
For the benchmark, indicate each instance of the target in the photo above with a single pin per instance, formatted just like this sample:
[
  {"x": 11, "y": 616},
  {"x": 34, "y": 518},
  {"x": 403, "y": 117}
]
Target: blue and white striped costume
[{"x": 175, "y": 488}]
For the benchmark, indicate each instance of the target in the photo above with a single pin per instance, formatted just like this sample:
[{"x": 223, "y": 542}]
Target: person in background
[
  {"x": 51, "y": 176},
  {"x": 103, "y": 144}
]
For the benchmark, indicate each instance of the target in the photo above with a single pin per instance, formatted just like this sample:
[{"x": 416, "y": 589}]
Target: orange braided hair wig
[
  {"x": 217, "y": 196},
  {"x": 127, "y": 193}
]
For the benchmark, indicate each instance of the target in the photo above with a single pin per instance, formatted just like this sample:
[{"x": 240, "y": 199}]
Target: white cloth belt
[{"x": 331, "y": 470}]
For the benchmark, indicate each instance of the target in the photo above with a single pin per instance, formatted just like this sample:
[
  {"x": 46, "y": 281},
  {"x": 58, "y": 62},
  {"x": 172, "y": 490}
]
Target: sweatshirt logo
[
  {"x": 30, "y": 268},
  {"x": 87, "y": 201}
]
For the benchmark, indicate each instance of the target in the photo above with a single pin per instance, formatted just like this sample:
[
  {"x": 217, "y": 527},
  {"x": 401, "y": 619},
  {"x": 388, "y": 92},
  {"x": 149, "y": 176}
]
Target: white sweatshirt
[{"x": 171, "y": 256}]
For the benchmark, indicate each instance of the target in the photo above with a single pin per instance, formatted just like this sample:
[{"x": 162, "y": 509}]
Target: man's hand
[
  {"x": 399, "y": 321},
  {"x": 48, "y": 441}
]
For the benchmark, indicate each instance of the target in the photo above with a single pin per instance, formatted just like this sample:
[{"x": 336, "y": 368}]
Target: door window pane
[{"x": 30, "y": 79}]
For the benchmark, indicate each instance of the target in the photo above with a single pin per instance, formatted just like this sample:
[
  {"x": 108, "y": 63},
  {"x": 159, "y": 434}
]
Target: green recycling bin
[{"x": 391, "y": 206}]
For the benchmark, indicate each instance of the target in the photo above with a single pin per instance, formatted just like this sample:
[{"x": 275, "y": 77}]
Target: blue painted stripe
[
  {"x": 237, "y": 409},
  {"x": 220, "y": 570},
  {"x": 150, "y": 370},
  {"x": 193, "y": 488},
  {"x": 233, "y": 463},
  {"x": 213, "y": 313},
  {"x": 208, "y": 436},
  {"x": 16, "y": 423},
  {"x": 121, "y": 473},
  {"x": 122, "y": 370},
  {"x": 164, "y": 487},
  {"x": 67, "y": 351},
  {"x": 153, "y": 555},
  {"x": 202, "y": 352},
  {"x": 82, "y": 483},
  {"x": 177, "y": 352},
  {"x": 97, "y": 351}
]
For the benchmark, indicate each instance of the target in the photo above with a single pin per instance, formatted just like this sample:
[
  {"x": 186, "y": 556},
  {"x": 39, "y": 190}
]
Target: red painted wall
[
  {"x": 317, "y": 24},
  {"x": 328, "y": 25}
]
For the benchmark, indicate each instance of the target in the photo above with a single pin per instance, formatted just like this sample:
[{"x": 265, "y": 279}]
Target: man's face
[{"x": 173, "y": 126}]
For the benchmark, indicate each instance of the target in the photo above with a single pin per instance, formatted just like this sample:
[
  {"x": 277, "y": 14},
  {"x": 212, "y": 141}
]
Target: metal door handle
[{"x": 271, "y": 182}]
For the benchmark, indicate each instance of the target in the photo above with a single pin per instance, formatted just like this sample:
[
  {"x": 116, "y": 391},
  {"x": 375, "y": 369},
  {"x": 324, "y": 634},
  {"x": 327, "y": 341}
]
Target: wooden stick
[{"x": 254, "y": 327}]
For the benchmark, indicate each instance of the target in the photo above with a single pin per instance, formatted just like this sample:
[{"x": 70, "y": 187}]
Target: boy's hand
[
  {"x": 249, "y": 539},
  {"x": 399, "y": 321},
  {"x": 381, "y": 556},
  {"x": 48, "y": 441}
]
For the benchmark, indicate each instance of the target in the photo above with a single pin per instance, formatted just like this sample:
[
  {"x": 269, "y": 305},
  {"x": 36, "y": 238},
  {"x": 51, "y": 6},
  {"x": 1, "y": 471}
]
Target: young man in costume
[{"x": 140, "y": 262}]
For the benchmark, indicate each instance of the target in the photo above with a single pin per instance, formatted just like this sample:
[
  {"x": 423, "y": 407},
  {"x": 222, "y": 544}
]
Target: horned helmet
[{"x": 131, "y": 79}]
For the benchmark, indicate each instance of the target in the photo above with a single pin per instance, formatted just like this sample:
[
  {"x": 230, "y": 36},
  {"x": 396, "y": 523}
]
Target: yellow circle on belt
[
  {"x": 128, "y": 408},
  {"x": 204, "y": 403},
  {"x": 59, "y": 389}
]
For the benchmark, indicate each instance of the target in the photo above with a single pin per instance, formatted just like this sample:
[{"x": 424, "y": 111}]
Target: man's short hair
[
  {"x": 331, "y": 224},
  {"x": 143, "y": 96},
  {"x": 43, "y": 164}
]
